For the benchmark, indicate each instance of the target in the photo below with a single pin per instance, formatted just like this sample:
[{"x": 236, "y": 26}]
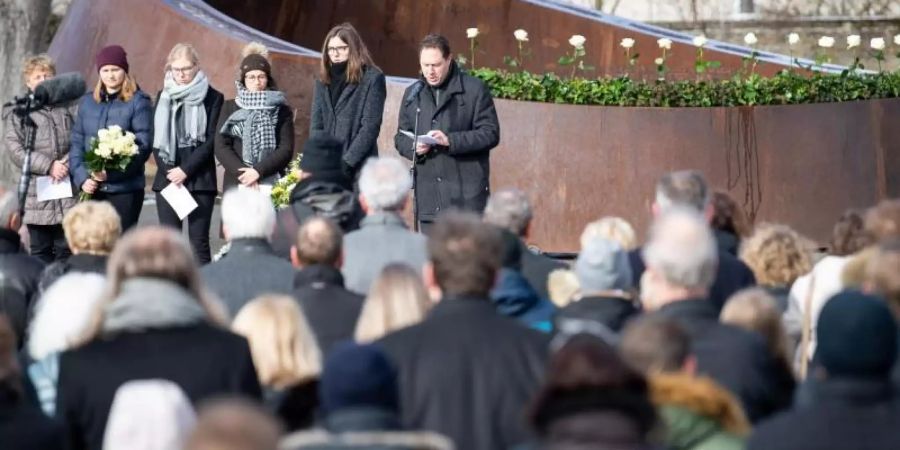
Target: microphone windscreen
[{"x": 62, "y": 88}]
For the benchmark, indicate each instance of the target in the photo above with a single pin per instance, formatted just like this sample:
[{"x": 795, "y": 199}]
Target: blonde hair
[
  {"x": 284, "y": 349},
  {"x": 397, "y": 299},
  {"x": 615, "y": 229},
  {"x": 126, "y": 92},
  {"x": 180, "y": 50},
  {"x": 562, "y": 285},
  {"x": 37, "y": 62},
  {"x": 776, "y": 254},
  {"x": 756, "y": 310},
  {"x": 92, "y": 227}
]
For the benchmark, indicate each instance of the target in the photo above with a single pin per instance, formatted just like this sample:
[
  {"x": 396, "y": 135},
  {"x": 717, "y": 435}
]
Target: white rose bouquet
[{"x": 111, "y": 149}]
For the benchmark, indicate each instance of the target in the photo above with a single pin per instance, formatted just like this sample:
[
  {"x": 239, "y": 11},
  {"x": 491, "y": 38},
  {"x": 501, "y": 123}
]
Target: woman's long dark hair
[{"x": 357, "y": 60}]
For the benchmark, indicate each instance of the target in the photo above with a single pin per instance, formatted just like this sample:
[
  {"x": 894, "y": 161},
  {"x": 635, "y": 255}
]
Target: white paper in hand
[
  {"x": 47, "y": 189},
  {"x": 423, "y": 139},
  {"x": 179, "y": 199}
]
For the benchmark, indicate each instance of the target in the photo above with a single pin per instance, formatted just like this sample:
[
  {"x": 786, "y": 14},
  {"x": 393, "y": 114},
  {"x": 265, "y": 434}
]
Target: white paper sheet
[
  {"x": 47, "y": 189},
  {"x": 179, "y": 199},
  {"x": 423, "y": 139}
]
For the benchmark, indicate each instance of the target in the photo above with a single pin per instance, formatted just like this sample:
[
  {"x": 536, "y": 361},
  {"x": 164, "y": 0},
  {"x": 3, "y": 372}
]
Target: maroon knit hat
[{"x": 112, "y": 55}]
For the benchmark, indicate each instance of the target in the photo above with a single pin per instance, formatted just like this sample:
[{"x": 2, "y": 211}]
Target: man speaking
[{"x": 456, "y": 111}]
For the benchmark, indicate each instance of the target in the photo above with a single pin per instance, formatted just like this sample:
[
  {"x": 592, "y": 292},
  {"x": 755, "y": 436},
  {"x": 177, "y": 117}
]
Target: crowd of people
[{"x": 333, "y": 324}]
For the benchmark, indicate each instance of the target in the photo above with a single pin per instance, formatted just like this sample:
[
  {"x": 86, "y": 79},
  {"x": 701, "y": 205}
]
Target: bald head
[{"x": 319, "y": 241}]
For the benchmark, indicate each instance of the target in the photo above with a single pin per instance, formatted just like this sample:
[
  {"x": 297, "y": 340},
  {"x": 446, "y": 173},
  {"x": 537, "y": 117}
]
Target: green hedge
[{"x": 785, "y": 88}]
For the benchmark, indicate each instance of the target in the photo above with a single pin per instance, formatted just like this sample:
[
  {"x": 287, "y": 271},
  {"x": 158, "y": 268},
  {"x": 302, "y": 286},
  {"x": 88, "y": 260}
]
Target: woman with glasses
[
  {"x": 255, "y": 138},
  {"x": 187, "y": 112},
  {"x": 349, "y": 97}
]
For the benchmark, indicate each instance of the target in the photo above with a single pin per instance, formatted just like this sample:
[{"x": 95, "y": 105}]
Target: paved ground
[{"x": 149, "y": 217}]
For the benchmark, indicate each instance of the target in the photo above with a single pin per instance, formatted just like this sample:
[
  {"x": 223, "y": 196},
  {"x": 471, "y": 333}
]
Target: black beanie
[
  {"x": 255, "y": 61},
  {"x": 358, "y": 376},
  {"x": 322, "y": 153},
  {"x": 857, "y": 336}
]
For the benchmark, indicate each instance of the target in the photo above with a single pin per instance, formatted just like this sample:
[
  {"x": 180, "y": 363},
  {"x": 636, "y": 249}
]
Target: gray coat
[
  {"x": 381, "y": 239},
  {"x": 355, "y": 119},
  {"x": 51, "y": 143}
]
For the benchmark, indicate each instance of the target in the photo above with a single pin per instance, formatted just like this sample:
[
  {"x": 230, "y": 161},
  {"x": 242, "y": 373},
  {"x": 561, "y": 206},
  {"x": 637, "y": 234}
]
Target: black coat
[
  {"x": 198, "y": 163},
  {"x": 81, "y": 262},
  {"x": 355, "y": 119},
  {"x": 611, "y": 312},
  {"x": 332, "y": 311},
  {"x": 732, "y": 275},
  {"x": 846, "y": 414},
  {"x": 735, "y": 358},
  {"x": 229, "y": 150},
  {"x": 19, "y": 282},
  {"x": 536, "y": 269},
  {"x": 295, "y": 406},
  {"x": 457, "y": 176},
  {"x": 203, "y": 360},
  {"x": 468, "y": 373},
  {"x": 25, "y": 427}
]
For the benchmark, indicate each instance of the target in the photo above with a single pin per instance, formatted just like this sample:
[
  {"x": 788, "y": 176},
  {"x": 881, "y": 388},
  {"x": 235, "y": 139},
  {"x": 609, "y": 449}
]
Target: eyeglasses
[
  {"x": 187, "y": 69},
  {"x": 340, "y": 49},
  {"x": 256, "y": 78}
]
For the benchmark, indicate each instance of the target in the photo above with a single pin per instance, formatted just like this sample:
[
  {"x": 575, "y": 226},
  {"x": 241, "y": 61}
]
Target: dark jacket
[
  {"x": 727, "y": 242},
  {"x": 611, "y": 312},
  {"x": 202, "y": 359},
  {"x": 82, "y": 262},
  {"x": 846, "y": 413},
  {"x": 736, "y": 359},
  {"x": 19, "y": 276},
  {"x": 25, "y": 427},
  {"x": 732, "y": 275},
  {"x": 249, "y": 269},
  {"x": 332, "y": 311},
  {"x": 457, "y": 176},
  {"x": 536, "y": 268},
  {"x": 135, "y": 115},
  {"x": 514, "y": 297},
  {"x": 364, "y": 429},
  {"x": 468, "y": 373},
  {"x": 198, "y": 163},
  {"x": 356, "y": 117},
  {"x": 229, "y": 150},
  {"x": 51, "y": 143},
  {"x": 295, "y": 406}
]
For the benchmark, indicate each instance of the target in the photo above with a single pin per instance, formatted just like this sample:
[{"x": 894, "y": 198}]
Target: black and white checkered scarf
[{"x": 254, "y": 123}]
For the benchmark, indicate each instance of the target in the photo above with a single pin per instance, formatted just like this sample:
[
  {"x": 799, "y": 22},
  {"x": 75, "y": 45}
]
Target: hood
[
  {"x": 151, "y": 303},
  {"x": 512, "y": 294},
  {"x": 325, "y": 199},
  {"x": 695, "y": 407}
]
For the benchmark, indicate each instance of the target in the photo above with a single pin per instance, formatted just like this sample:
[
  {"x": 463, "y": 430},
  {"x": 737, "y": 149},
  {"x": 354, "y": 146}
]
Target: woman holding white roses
[
  {"x": 187, "y": 112},
  {"x": 116, "y": 102}
]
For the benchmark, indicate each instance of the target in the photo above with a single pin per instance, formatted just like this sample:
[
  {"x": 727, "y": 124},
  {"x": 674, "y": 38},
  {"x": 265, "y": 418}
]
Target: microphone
[
  {"x": 59, "y": 89},
  {"x": 416, "y": 88}
]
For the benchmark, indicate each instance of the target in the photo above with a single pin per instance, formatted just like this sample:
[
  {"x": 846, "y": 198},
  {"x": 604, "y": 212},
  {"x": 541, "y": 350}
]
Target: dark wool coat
[
  {"x": 198, "y": 163},
  {"x": 468, "y": 373},
  {"x": 203, "y": 360},
  {"x": 24, "y": 426},
  {"x": 332, "y": 311},
  {"x": 136, "y": 116},
  {"x": 229, "y": 150},
  {"x": 536, "y": 269},
  {"x": 19, "y": 277},
  {"x": 356, "y": 117},
  {"x": 611, "y": 312},
  {"x": 456, "y": 176}
]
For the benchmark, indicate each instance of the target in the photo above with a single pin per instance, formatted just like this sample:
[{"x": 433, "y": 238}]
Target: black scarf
[
  {"x": 338, "y": 75},
  {"x": 438, "y": 91}
]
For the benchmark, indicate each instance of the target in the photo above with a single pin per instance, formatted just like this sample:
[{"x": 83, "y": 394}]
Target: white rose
[
  {"x": 700, "y": 41},
  {"x": 104, "y": 150},
  {"x": 131, "y": 149},
  {"x": 129, "y": 137},
  {"x": 877, "y": 43},
  {"x": 115, "y": 130},
  {"x": 471, "y": 33},
  {"x": 627, "y": 43},
  {"x": 750, "y": 39},
  {"x": 659, "y": 61},
  {"x": 521, "y": 35},
  {"x": 793, "y": 39},
  {"x": 826, "y": 42},
  {"x": 853, "y": 41},
  {"x": 897, "y": 39},
  {"x": 665, "y": 43},
  {"x": 103, "y": 135},
  {"x": 577, "y": 40}
]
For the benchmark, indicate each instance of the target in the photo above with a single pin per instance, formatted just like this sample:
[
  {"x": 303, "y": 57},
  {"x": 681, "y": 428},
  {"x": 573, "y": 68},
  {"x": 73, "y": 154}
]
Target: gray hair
[
  {"x": 509, "y": 209},
  {"x": 684, "y": 188},
  {"x": 385, "y": 184},
  {"x": 682, "y": 249},
  {"x": 247, "y": 213},
  {"x": 9, "y": 205}
]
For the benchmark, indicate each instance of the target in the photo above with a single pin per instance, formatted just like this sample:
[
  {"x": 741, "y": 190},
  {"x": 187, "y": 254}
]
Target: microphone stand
[
  {"x": 27, "y": 125},
  {"x": 413, "y": 171}
]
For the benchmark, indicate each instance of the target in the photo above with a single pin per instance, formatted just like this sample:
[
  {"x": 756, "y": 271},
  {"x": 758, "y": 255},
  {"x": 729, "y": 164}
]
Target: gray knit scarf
[
  {"x": 189, "y": 98},
  {"x": 254, "y": 123},
  {"x": 151, "y": 303}
]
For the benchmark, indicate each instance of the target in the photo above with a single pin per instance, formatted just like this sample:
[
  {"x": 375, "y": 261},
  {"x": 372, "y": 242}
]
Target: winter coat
[
  {"x": 24, "y": 427},
  {"x": 611, "y": 312},
  {"x": 737, "y": 359},
  {"x": 135, "y": 115},
  {"x": 698, "y": 414},
  {"x": 514, "y": 297},
  {"x": 356, "y": 117},
  {"x": 732, "y": 275},
  {"x": 847, "y": 413},
  {"x": 364, "y": 429},
  {"x": 19, "y": 276},
  {"x": 157, "y": 342},
  {"x": 81, "y": 262},
  {"x": 536, "y": 268},
  {"x": 468, "y": 373},
  {"x": 295, "y": 405},
  {"x": 51, "y": 143},
  {"x": 457, "y": 176},
  {"x": 229, "y": 149},
  {"x": 382, "y": 239},
  {"x": 249, "y": 270},
  {"x": 198, "y": 163},
  {"x": 331, "y": 310},
  {"x": 727, "y": 242}
]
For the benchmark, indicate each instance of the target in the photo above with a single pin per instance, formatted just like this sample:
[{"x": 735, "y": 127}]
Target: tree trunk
[{"x": 22, "y": 27}]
